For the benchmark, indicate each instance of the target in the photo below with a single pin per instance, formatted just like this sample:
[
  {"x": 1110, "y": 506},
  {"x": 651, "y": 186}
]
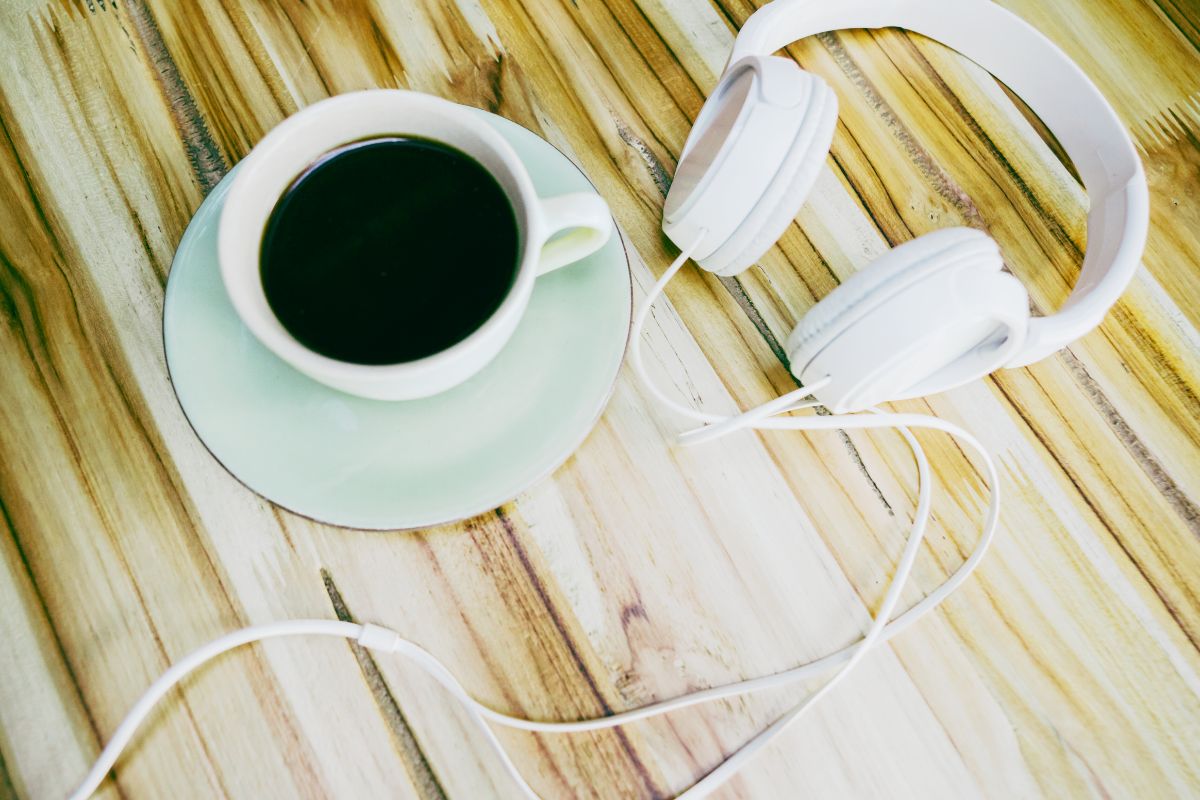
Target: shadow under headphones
[
  {"x": 935, "y": 312},
  {"x": 929, "y": 315}
]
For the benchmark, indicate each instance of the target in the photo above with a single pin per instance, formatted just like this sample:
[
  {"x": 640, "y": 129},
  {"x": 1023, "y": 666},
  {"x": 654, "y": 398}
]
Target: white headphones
[
  {"x": 936, "y": 312},
  {"x": 929, "y": 315}
]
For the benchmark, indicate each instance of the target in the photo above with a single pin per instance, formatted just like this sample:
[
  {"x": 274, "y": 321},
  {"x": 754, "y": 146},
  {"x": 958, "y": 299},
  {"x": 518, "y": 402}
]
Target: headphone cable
[{"x": 768, "y": 416}]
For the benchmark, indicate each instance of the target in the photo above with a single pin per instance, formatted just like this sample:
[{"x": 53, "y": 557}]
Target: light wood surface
[{"x": 1068, "y": 667}]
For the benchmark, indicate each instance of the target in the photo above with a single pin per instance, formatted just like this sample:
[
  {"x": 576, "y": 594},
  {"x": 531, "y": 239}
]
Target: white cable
[
  {"x": 120, "y": 738},
  {"x": 720, "y": 423},
  {"x": 748, "y": 419},
  {"x": 385, "y": 640},
  {"x": 635, "y": 344},
  {"x": 880, "y": 630},
  {"x": 765, "y": 416}
]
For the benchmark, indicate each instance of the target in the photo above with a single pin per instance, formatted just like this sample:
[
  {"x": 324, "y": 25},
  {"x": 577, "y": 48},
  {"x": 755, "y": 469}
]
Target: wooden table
[{"x": 1067, "y": 667}]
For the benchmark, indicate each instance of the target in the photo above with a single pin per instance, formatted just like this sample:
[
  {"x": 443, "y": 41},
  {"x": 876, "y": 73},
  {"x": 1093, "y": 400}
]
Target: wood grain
[{"x": 1068, "y": 667}]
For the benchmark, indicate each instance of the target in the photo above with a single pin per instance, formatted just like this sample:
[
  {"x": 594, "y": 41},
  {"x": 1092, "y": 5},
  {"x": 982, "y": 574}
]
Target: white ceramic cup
[{"x": 552, "y": 232}]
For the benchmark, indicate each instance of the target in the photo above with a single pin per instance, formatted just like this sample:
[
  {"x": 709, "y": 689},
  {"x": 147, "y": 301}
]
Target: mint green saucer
[{"x": 379, "y": 465}]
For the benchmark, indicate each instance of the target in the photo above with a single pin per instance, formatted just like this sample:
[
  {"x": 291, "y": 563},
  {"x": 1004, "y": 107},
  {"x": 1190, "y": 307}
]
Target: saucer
[{"x": 371, "y": 464}]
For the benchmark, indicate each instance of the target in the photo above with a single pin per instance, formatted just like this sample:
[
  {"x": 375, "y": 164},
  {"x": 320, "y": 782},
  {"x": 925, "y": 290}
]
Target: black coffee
[{"x": 389, "y": 250}]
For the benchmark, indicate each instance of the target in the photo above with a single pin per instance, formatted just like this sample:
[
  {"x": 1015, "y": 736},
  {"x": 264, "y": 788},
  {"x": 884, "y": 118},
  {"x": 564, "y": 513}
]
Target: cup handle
[{"x": 577, "y": 225}]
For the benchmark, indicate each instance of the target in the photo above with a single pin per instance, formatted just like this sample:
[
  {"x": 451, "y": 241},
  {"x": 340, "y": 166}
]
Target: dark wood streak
[
  {"x": 863, "y": 203},
  {"x": 7, "y": 789},
  {"x": 425, "y": 780},
  {"x": 1052, "y": 223},
  {"x": 128, "y": 118},
  {"x": 654, "y": 166},
  {"x": 630, "y": 612},
  {"x": 746, "y": 303},
  {"x": 1185, "y": 17},
  {"x": 938, "y": 179},
  {"x": 825, "y": 266},
  {"x": 208, "y": 165},
  {"x": 1044, "y": 132},
  {"x": 12, "y": 281},
  {"x": 27, "y": 182},
  {"x": 13, "y": 278},
  {"x": 1098, "y": 513},
  {"x": 1167, "y": 126},
  {"x": 556, "y": 619},
  {"x": 1185, "y": 125},
  {"x": 642, "y": 51},
  {"x": 658, "y": 173},
  {"x": 641, "y": 12},
  {"x": 308, "y": 54},
  {"x": 196, "y": 139},
  {"x": 277, "y": 513},
  {"x": 240, "y": 23},
  {"x": 52, "y": 398},
  {"x": 484, "y": 654},
  {"x": 496, "y": 97},
  {"x": 391, "y": 58},
  {"x": 734, "y": 24},
  {"x": 1162, "y": 480}
]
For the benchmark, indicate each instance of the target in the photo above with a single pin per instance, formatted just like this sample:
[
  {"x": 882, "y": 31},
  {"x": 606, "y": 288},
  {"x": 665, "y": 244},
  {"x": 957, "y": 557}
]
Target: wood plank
[{"x": 1067, "y": 667}]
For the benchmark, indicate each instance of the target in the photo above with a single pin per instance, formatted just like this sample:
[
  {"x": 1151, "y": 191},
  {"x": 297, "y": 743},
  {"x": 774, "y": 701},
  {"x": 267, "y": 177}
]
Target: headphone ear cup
[
  {"x": 893, "y": 271},
  {"x": 750, "y": 142},
  {"x": 929, "y": 315},
  {"x": 788, "y": 191}
]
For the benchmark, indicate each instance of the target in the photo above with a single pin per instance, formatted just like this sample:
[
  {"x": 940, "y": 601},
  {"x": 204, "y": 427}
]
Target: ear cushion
[
  {"x": 789, "y": 189},
  {"x": 892, "y": 272},
  {"x": 741, "y": 138}
]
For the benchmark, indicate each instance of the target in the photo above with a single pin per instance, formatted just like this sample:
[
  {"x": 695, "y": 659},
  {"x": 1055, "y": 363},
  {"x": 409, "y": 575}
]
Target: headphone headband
[{"x": 1058, "y": 92}]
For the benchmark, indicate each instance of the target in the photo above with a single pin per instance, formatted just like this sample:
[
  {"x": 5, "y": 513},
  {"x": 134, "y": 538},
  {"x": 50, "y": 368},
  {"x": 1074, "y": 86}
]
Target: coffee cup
[{"x": 551, "y": 232}]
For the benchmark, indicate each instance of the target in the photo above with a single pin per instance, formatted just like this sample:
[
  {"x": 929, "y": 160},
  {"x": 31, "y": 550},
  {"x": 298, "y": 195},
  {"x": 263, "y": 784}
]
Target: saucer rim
[{"x": 555, "y": 464}]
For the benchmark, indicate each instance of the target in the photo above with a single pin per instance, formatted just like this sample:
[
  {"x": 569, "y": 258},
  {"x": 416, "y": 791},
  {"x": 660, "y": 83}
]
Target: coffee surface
[{"x": 389, "y": 250}]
